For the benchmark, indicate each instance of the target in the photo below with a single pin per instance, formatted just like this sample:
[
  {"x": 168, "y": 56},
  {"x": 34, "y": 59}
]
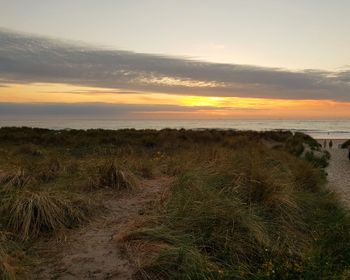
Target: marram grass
[
  {"x": 244, "y": 205},
  {"x": 251, "y": 214},
  {"x": 30, "y": 213}
]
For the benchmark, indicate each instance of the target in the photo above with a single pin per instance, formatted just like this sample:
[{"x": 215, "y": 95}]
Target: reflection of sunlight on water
[{"x": 336, "y": 129}]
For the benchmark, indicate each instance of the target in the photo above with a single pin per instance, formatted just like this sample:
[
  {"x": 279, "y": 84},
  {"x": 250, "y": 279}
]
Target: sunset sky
[{"x": 175, "y": 59}]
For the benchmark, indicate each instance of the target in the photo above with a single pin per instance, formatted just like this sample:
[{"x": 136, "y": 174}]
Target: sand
[
  {"x": 92, "y": 252},
  {"x": 339, "y": 170}
]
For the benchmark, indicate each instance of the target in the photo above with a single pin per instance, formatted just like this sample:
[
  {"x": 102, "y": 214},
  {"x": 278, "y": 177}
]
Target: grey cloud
[
  {"x": 91, "y": 91},
  {"x": 88, "y": 109},
  {"x": 95, "y": 110},
  {"x": 344, "y": 76},
  {"x": 27, "y": 59}
]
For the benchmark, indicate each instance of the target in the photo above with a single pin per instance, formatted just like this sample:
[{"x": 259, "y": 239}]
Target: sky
[{"x": 175, "y": 59}]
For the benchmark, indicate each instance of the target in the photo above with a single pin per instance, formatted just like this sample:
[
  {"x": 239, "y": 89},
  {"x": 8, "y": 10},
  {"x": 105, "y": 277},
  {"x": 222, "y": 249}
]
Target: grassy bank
[{"x": 244, "y": 205}]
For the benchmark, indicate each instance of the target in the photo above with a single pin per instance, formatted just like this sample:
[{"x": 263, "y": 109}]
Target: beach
[{"x": 339, "y": 169}]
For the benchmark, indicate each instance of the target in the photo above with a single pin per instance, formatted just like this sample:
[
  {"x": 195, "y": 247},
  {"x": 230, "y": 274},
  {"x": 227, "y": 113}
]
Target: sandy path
[
  {"x": 339, "y": 172},
  {"x": 92, "y": 252}
]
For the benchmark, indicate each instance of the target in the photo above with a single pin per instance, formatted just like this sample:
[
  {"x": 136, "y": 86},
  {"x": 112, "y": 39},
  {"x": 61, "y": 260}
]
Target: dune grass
[
  {"x": 252, "y": 213},
  {"x": 32, "y": 213},
  {"x": 244, "y": 205},
  {"x": 112, "y": 175},
  {"x": 8, "y": 269}
]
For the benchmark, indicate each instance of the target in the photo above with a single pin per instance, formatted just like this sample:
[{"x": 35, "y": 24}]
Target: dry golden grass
[
  {"x": 111, "y": 175},
  {"x": 18, "y": 178},
  {"x": 31, "y": 213}
]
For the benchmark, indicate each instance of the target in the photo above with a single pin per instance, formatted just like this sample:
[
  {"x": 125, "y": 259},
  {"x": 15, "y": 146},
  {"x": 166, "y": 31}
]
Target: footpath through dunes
[
  {"x": 339, "y": 171},
  {"x": 92, "y": 252}
]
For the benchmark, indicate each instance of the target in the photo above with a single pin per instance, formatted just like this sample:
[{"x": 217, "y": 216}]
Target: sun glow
[
  {"x": 202, "y": 106},
  {"x": 203, "y": 101}
]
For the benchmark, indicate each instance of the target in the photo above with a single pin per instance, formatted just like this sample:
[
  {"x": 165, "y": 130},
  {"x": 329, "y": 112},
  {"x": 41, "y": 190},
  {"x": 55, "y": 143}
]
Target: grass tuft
[
  {"x": 8, "y": 267},
  {"x": 18, "y": 179},
  {"x": 49, "y": 170},
  {"x": 31, "y": 213},
  {"x": 110, "y": 175}
]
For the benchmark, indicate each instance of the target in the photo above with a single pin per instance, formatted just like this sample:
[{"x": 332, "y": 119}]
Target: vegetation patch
[
  {"x": 252, "y": 214},
  {"x": 31, "y": 213},
  {"x": 18, "y": 178},
  {"x": 346, "y": 144},
  {"x": 244, "y": 205},
  {"x": 110, "y": 175}
]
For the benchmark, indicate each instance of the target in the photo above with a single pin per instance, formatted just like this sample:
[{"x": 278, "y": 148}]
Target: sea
[{"x": 318, "y": 129}]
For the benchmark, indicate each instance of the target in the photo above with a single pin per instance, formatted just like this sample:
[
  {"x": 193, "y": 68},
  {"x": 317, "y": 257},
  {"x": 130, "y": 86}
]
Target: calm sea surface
[{"x": 336, "y": 129}]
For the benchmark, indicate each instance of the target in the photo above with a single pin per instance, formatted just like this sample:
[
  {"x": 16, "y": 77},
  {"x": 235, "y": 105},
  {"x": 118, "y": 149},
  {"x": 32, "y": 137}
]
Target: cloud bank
[
  {"x": 93, "y": 109},
  {"x": 34, "y": 59},
  {"x": 90, "y": 110}
]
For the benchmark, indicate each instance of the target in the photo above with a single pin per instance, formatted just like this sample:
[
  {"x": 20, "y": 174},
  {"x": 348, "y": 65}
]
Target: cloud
[
  {"x": 9, "y": 110},
  {"x": 30, "y": 59},
  {"x": 90, "y": 109}
]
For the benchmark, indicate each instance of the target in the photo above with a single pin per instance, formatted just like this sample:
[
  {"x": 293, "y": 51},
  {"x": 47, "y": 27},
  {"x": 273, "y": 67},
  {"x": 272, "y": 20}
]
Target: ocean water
[{"x": 319, "y": 129}]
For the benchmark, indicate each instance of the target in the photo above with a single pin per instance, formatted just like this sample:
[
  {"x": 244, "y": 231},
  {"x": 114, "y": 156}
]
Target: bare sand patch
[{"x": 339, "y": 169}]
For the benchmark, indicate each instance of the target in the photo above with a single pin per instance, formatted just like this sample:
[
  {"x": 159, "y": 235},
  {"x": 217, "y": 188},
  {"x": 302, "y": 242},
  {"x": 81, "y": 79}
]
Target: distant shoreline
[{"x": 325, "y": 129}]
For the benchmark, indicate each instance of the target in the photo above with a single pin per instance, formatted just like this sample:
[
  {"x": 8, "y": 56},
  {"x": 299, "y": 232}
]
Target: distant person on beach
[
  {"x": 325, "y": 143},
  {"x": 330, "y": 144}
]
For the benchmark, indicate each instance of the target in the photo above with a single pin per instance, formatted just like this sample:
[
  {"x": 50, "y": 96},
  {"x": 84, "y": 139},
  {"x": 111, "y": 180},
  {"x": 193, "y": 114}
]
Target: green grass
[{"x": 251, "y": 214}]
